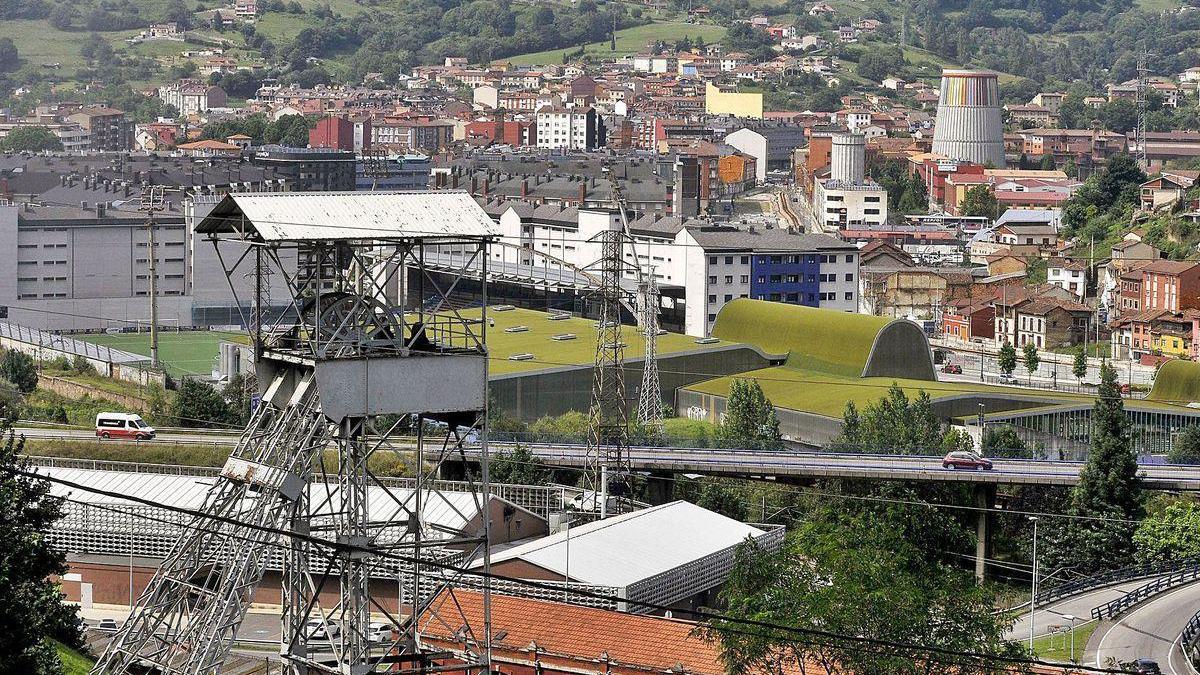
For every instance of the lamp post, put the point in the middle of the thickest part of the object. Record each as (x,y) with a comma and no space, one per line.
(1071,618)
(1033,586)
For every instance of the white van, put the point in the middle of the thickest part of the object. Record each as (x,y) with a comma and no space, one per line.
(123,425)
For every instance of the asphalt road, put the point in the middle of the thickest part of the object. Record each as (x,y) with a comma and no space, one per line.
(1080,606)
(1150,630)
(180,437)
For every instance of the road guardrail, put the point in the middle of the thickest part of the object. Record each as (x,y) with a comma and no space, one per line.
(1189,640)
(1144,592)
(1142,571)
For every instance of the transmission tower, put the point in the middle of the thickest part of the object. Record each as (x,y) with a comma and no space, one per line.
(1143,71)
(650,413)
(376,166)
(152,201)
(608,416)
(341,369)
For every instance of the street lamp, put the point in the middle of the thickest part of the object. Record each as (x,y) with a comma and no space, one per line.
(1033,586)
(1071,618)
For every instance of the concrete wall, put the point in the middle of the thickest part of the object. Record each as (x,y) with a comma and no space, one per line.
(717,102)
(74,390)
(796,426)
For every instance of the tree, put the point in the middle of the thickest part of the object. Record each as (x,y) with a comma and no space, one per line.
(894,424)
(1170,534)
(851,574)
(18,367)
(9,59)
(1007,359)
(1080,365)
(750,417)
(1109,492)
(716,495)
(199,405)
(32,612)
(980,201)
(238,393)
(1001,440)
(1186,448)
(519,466)
(30,139)
(1031,359)
(63,15)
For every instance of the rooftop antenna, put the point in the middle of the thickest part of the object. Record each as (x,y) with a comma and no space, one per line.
(376,165)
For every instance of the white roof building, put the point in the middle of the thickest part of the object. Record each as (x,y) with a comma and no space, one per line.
(661,555)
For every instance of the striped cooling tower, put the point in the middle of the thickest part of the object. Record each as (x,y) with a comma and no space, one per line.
(969,127)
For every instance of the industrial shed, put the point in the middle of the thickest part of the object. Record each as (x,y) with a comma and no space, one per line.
(674,554)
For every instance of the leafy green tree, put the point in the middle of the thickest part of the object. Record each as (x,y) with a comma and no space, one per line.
(238,393)
(1007,359)
(1080,365)
(717,495)
(30,139)
(519,467)
(19,368)
(851,575)
(750,417)
(9,59)
(32,612)
(1109,492)
(1031,359)
(1001,440)
(1170,534)
(199,405)
(1186,448)
(980,201)
(894,424)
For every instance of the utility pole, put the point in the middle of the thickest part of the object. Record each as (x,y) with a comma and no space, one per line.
(151,203)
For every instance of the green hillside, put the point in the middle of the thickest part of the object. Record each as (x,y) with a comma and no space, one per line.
(629,40)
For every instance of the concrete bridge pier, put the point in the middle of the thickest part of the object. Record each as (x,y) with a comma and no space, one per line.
(659,487)
(985,500)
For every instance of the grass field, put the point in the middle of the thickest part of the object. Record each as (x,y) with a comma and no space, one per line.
(182,353)
(550,353)
(73,662)
(629,40)
(1057,647)
(1177,382)
(38,42)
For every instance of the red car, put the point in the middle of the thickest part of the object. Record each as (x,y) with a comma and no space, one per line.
(966,460)
(952,368)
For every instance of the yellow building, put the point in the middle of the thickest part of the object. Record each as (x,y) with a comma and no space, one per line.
(720,102)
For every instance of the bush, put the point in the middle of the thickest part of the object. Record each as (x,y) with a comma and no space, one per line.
(81,366)
(198,405)
(19,368)
(1186,448)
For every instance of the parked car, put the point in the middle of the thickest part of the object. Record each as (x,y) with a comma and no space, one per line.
(1125,389)
(380,632)
(107,624)
(952,368)
(1007,379)
(123,425)
(1146,667)
(961,459)
(316,629)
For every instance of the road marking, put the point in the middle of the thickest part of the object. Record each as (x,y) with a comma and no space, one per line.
(1164,596)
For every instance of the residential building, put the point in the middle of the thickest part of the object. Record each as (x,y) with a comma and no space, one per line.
(192,97)
(1167,188)
(1154,333)
(561,128)
(412,135)
(107,128)
(969,319)
(840,204)
(1045,315)
(308,169)
(722,101)
(336,133)
(1068,274)
(1173,285)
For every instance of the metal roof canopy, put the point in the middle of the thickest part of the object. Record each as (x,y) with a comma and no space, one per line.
(275,217)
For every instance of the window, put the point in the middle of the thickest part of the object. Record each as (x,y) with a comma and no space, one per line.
(811,278)
(712,260)
(728,260)
(776,259)
(812,297)
(712,298)
(745,260)
(745,278)
(775,297)
(849,276)
(762,280)
(871,212)
(849,296)
(712,317)
(728,297)
(873,200)
(712,280)
(776,278)
(729,278)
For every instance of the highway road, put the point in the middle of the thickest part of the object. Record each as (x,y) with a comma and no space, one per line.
(1150,630)
(782,463)
(1080,606)
(793,463)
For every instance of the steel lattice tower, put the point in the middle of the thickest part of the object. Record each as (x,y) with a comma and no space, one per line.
(342,369)
(1143,70)
(608,416)
(650,413)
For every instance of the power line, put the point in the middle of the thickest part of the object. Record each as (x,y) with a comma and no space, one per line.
(341,547)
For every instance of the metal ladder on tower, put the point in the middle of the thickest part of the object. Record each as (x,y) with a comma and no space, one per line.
(190,612)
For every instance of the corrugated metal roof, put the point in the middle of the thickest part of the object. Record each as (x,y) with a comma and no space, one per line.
(450,510)
(625,549)
(292,216)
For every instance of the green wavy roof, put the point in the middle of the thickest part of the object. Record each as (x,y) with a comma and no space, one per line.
(1177,382)
(823,340)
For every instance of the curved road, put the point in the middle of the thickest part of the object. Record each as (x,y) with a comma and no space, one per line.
(1080,606)
(1151,630)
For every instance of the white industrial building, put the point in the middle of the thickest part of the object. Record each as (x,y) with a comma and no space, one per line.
(561,128)
(675,554)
